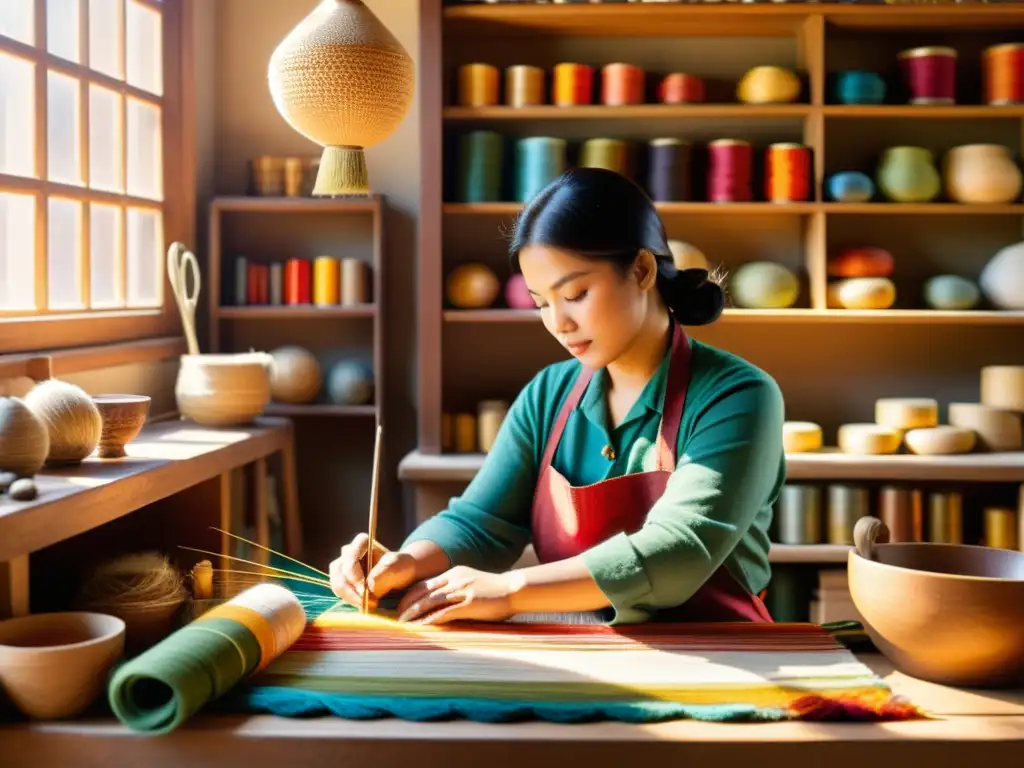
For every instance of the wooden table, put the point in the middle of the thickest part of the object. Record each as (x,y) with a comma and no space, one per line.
(168,458)
(974,729)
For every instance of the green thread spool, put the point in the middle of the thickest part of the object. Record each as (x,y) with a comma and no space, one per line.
(539,161)
(799,514)
(480,161)
(611,154)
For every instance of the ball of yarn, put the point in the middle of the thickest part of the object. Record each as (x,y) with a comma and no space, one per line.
(24,440)
(350,382)
(472,286)
(1002,279)
(951,292)
(851,187)
(517,296)
(71,418)
(764,285)
(295,375)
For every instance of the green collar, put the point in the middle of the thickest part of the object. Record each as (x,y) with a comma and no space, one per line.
(594,403)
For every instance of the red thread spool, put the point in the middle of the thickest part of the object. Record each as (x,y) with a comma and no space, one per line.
(930,74)
(1003,71)
(787,177)
(730,168)
(573,85)
(297,282)
(681,88)
(622,84)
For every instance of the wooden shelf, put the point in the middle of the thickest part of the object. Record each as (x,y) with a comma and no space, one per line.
(319,409)
(922,209)
(257,204)
(635,112)
(831,465)
(777,209)
(294,312)
(924,112)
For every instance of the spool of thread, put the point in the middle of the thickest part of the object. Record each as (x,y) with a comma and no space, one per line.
(297,281)
(354,288)
(897,511)
(787,176)
(294,176)
(478,85)
(464,433)
(668,170)
(573,85)
(730,170)
(945,518)
(539,161)
(930,74)
(799,514)
(490,415)
(1001,528)
(1003,74)
(681,88)
(612,154)
(276,284)
(326,281)
(524,86)
(206,658)
(480,159)
(241,281)
(622,84)
(846,505)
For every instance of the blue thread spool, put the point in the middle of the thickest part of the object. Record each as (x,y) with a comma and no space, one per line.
(539,161)
(480,161)
(851,187)
(860,87)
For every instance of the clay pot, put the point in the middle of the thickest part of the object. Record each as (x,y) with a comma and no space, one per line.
(123,418)
(908,175)
(55,665)
(223,390)
(948,613)
(981,173)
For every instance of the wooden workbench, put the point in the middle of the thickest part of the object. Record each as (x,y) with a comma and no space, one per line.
(971,728)
(174,458)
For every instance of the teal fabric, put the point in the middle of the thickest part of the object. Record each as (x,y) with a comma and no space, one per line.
(716,510)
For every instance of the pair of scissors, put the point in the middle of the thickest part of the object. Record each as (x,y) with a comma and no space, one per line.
(180,264)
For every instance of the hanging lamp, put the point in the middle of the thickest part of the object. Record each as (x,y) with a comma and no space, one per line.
(342,80)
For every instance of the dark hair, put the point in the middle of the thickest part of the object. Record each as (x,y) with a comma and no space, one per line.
(600,214)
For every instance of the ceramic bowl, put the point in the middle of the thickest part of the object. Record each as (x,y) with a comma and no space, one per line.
(55,665)
(123,419)
(947,613)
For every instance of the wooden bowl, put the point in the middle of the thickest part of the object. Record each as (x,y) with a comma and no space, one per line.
(123,419)
(947,613)
(55,665)
(223,390)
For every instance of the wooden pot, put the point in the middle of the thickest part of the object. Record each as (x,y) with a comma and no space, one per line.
(223,390)
(948,613)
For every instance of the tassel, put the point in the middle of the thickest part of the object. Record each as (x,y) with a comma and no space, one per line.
(342,172)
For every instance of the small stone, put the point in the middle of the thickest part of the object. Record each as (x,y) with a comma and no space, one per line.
(6,478)
(23,489)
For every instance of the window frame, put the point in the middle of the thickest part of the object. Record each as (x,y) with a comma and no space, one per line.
(34,333)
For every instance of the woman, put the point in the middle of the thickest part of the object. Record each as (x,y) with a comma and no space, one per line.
(635,506)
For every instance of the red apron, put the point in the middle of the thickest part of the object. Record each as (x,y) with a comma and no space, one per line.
(569,520)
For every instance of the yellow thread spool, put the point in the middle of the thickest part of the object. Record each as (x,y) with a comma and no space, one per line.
(478,85)
(945,518)
(465,433)
(1001,527)
(524,86)
(326,281)
(612,154)
(490,415)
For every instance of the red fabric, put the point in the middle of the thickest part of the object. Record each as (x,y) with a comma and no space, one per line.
(568,520)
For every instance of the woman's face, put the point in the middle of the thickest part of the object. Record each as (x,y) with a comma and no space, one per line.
(591,308)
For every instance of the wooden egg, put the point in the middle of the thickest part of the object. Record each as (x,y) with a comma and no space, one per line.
(295,375)
(940,440)
(687,256)
(71,418)
(862,293)
(861,262)
(472,286)
(764,285)
(517,296)
(951,292)
(350,382)
(24,440)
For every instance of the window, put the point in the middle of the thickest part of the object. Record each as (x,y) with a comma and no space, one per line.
(91,169)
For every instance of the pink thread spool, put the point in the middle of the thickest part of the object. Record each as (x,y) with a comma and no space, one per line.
(730,170)
(930,74)
(622,84)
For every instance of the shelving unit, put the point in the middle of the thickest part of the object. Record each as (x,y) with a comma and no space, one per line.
(831,363)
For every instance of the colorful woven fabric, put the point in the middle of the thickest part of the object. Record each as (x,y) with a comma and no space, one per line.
(361,667)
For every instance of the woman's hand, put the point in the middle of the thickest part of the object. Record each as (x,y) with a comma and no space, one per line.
(460,593)
(391,571)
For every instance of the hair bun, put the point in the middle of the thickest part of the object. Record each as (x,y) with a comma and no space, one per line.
(692,296)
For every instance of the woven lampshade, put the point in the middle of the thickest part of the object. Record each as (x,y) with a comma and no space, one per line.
(341,79)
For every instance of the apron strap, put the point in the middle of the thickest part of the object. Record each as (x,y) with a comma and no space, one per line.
(571,401)
(676,385)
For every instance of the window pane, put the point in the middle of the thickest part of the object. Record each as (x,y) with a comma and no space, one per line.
(145,235)
(144,52)
(106,38)
(105,139)
(145,158)
(104,255)
(17,116)
(17,251)
(62,29)
(17,20)
(64,249)
(62,116)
